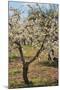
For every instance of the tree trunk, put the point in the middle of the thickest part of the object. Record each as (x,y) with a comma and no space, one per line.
(25,72)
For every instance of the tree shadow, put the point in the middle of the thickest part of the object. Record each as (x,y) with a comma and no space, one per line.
(52,64)
(17,58)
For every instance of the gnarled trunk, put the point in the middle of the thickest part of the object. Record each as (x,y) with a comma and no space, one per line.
(25,64)
(25,72)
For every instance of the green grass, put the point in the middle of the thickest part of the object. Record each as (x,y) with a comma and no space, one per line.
(14,71)
(35,82)
(28,51)
(44,82)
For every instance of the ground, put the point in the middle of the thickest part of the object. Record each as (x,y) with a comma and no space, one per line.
(41,72)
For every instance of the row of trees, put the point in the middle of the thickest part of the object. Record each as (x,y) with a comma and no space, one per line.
(40,29)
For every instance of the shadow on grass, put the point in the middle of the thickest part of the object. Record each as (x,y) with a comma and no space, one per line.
(52,64)
(14,58)
(45,63)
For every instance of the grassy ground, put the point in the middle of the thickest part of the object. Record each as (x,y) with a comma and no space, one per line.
(40,72)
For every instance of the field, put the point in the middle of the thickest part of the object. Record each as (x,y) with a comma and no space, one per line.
(41,72)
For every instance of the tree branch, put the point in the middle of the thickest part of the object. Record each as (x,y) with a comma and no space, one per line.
(38,52)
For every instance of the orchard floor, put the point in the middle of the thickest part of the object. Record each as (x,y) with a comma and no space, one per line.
(41,73)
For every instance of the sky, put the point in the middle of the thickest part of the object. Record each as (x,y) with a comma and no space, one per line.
(22,6)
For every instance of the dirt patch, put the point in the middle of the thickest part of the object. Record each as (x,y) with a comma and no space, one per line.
(40,74)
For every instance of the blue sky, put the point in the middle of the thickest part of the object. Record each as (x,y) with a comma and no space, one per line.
(22,6)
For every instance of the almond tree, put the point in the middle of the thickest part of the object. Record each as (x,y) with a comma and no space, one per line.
(40,29)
